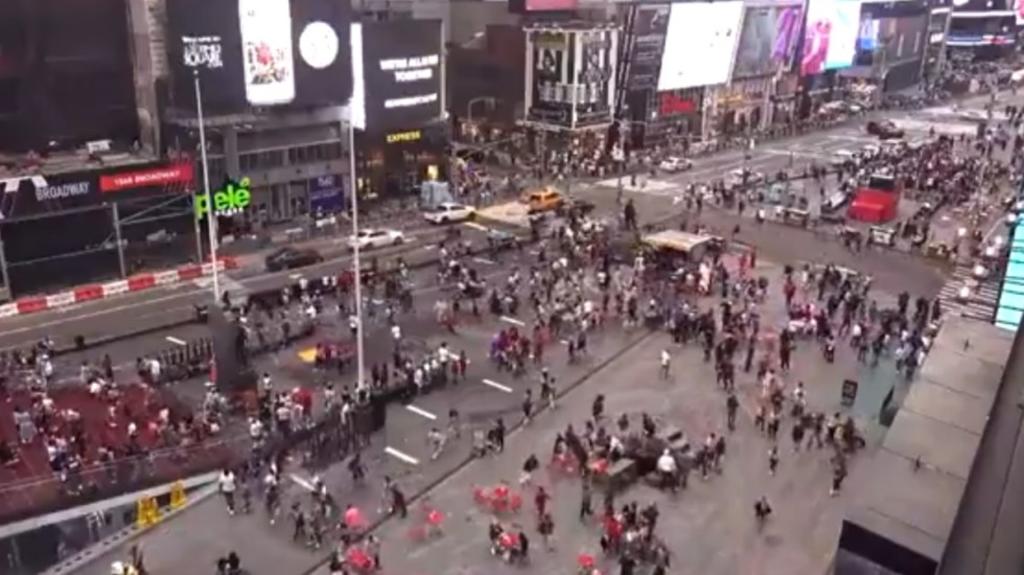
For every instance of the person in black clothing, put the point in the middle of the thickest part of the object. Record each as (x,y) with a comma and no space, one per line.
(627,565)
(586,505)
(398,502)
(731,406)
(497,435)
(524,546)
(762,509)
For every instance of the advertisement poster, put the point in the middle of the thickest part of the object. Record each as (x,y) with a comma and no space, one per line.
(552,98)
(867,37)
(1018,11)
(259,53)
(402,73)
(649,28)
(830,40)
(768,40)
(699,44)
(267,51)
(326,195)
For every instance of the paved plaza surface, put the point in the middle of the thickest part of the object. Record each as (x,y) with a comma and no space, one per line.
(709,527)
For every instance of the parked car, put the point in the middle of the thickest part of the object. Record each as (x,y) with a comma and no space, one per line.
(673,164)
(291,258)
(449,212)
(884,130)
(376,238)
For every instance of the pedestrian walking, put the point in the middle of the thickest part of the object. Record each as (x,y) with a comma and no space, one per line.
(529,466)
(762,509)
(666,362)
(586,500)
(773,460)
(732,404)
(838,475)
(546,527)
(227,484)
(527,407)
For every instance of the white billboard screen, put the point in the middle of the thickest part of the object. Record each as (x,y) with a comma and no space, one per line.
(830,37)
(699,44)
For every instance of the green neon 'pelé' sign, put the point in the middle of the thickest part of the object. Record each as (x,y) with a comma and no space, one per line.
(232,199)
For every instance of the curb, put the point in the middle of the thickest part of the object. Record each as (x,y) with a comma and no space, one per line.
(93,292)
(512,429)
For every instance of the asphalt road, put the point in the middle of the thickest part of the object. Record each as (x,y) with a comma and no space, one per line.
(161,306)
(156,307)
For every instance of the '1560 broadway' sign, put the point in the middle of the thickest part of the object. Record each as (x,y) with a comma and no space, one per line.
(231,200)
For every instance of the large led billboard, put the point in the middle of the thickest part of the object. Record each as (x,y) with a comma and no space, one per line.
(260,53)
(699,44)
(402,73)
(1011,296)
(768,40)
(830,39)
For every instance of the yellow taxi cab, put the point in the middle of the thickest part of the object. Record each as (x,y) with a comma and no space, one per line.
(543,200)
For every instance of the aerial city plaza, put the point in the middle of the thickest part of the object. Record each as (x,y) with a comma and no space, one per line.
(537,287)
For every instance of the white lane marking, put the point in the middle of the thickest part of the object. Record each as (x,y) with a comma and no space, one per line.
(512,320)
(401,456)
(175,340)
(421,411)
(498,386)
(485,261)
(303,483)
(476,226)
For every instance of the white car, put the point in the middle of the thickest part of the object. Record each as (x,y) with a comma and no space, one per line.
(376,238)
(736,177)
(843,157)
(675,164)
(449,212)
(870,151)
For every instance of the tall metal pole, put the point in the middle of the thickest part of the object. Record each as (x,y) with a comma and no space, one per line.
(117,237)
(4,278)
(356,270)
(211,216)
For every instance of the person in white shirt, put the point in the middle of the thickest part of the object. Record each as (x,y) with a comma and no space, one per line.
(666,362)
(154,370)
(226,481)
(667,468)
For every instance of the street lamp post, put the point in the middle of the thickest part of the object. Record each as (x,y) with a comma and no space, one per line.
(211,216)
(356,270)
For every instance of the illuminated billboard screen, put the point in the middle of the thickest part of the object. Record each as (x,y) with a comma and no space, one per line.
(260,53)
(768,40)
(699,44)
(830,38)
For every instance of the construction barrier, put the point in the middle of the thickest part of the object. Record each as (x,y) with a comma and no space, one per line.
(147,513)
(178,498)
